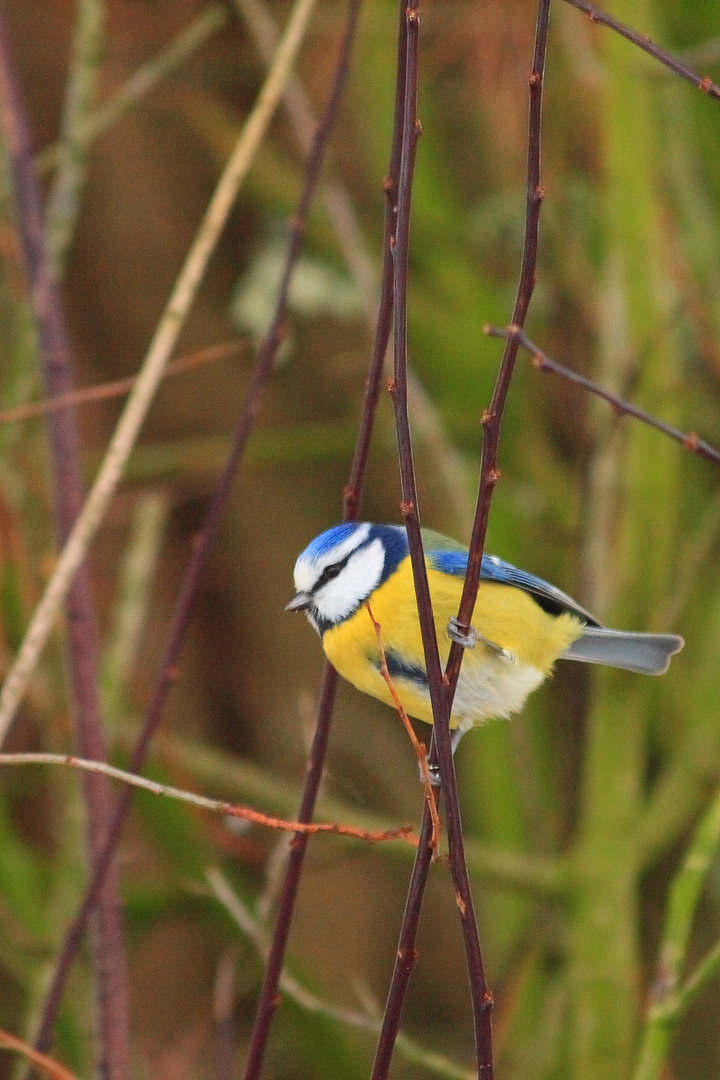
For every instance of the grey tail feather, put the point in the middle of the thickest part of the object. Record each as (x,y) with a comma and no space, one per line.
(648,654)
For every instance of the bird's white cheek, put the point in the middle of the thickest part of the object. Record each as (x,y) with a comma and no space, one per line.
(345,593)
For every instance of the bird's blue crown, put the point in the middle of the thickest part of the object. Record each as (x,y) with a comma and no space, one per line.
(392,537)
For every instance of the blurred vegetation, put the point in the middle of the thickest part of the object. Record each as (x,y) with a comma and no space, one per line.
(579,813)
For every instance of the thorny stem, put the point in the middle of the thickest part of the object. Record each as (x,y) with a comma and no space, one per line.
(492,420)
(188,591)
(689,440)
(56,363)
(440,699)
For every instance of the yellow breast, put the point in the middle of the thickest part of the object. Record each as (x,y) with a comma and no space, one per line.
(489,685)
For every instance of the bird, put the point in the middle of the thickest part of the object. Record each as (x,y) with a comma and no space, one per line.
(521,624)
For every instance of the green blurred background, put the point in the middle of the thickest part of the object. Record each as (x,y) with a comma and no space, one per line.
(579,811)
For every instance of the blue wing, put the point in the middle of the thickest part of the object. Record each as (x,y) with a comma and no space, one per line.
(452,559)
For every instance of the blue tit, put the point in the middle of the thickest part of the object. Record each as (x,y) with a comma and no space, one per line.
(521,625)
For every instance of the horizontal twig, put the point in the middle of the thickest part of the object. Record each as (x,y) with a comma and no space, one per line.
(87,394)
(215,806)
(690,440)
(534,875)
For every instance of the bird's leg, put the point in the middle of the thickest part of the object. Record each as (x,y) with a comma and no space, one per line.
(455,737)
(470,639)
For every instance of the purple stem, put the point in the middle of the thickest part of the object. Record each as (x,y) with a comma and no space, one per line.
(690,440)
(597,15)
(352,496)
(440,698)
(56,363)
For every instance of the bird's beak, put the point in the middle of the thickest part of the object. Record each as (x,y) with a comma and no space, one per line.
(299,602)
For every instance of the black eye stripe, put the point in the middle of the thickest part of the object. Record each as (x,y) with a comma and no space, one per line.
(331,572)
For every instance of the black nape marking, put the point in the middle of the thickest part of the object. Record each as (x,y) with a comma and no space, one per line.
(400,669)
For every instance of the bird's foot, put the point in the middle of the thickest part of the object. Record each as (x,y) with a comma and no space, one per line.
(433,774)
(470,639)
(456,633)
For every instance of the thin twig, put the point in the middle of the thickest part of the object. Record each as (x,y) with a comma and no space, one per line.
(55,359)
(597,15)
(689,440)
(544,876)
(215,806)
(482,999)
(190,584)
(303,997)
(419,748)
(152,370)
(406,953)
(104,391)
(42,1061)
(441,702)
(493,416)
(268,1001)
(141,82)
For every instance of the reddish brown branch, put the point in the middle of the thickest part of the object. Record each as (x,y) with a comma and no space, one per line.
(269,998)
(690,440)
(53,1068)
(492,419)
(597,15)
(418,747)
(304,828)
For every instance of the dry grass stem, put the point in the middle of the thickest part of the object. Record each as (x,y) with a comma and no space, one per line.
(153,368)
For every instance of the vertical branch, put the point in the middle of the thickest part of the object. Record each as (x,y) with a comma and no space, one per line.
(441,700)
(188,591)
(428,425)
(316,759)
(492,418)
(56,363)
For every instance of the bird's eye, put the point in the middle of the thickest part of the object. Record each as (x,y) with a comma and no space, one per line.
(328,574)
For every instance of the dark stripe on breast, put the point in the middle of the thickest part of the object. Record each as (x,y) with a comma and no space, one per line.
(400,669)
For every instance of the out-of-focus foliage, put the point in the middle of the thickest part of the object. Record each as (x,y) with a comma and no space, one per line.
(586,801)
